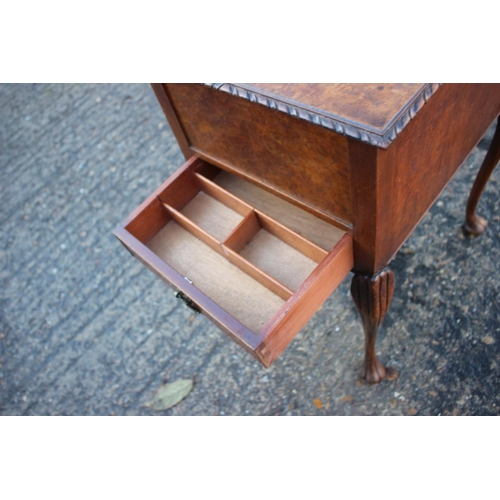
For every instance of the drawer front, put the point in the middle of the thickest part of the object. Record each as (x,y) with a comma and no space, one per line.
(258,267)
(302,162)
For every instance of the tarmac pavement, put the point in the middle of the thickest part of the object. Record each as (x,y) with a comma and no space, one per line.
(85,329)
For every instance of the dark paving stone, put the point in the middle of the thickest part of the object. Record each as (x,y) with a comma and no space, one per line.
(86,330)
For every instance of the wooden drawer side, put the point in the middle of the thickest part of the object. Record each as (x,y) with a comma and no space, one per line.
(293,316)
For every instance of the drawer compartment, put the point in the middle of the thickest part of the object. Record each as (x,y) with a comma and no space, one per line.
(256,265)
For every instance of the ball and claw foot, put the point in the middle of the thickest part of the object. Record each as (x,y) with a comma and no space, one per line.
(375,372)
(475,225)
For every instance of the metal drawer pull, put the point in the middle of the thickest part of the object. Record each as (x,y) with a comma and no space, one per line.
(188,302)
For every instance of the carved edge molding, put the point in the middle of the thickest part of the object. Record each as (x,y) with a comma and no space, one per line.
(381,141)
(372,295)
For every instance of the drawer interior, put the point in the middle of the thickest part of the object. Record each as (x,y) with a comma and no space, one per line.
(233,242)
(243,297)
(275,251)
(304,223)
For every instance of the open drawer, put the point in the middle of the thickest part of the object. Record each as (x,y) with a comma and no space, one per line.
(256,265)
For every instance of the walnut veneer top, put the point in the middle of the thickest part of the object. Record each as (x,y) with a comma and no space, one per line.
(371,112)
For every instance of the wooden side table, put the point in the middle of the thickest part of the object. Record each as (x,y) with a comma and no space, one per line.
(289,187)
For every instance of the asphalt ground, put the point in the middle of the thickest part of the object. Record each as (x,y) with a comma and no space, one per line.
(85,329)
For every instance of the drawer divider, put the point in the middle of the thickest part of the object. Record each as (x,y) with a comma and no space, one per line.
(254,275)
(247,234)
(290,237)
(258,274)
(225,197)
(193,228)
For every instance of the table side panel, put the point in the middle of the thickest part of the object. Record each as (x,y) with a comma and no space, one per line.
(304,163)
(413,171)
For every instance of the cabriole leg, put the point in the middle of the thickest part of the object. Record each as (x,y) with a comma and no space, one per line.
(474,224)
(372,295)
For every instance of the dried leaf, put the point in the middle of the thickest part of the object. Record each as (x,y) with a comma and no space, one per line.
(347,399)
(317,402)
(412,411)
(170,394)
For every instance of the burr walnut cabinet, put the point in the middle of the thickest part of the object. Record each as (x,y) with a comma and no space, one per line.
(287,188)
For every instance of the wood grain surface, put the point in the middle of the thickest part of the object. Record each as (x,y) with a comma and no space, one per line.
(394,188)
(368,112)
(291,238)
(372,106)
(193,228)
(249,302)
(278,259)
(258,273)
(243,336)
(213,216)
(305,302)
(166,106)
(304,223)
(300,162)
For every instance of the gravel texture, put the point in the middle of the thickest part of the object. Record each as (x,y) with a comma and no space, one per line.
(85,329)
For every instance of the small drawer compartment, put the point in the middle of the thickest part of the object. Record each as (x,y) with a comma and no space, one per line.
(196,199)
(275,255)
(253,275)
